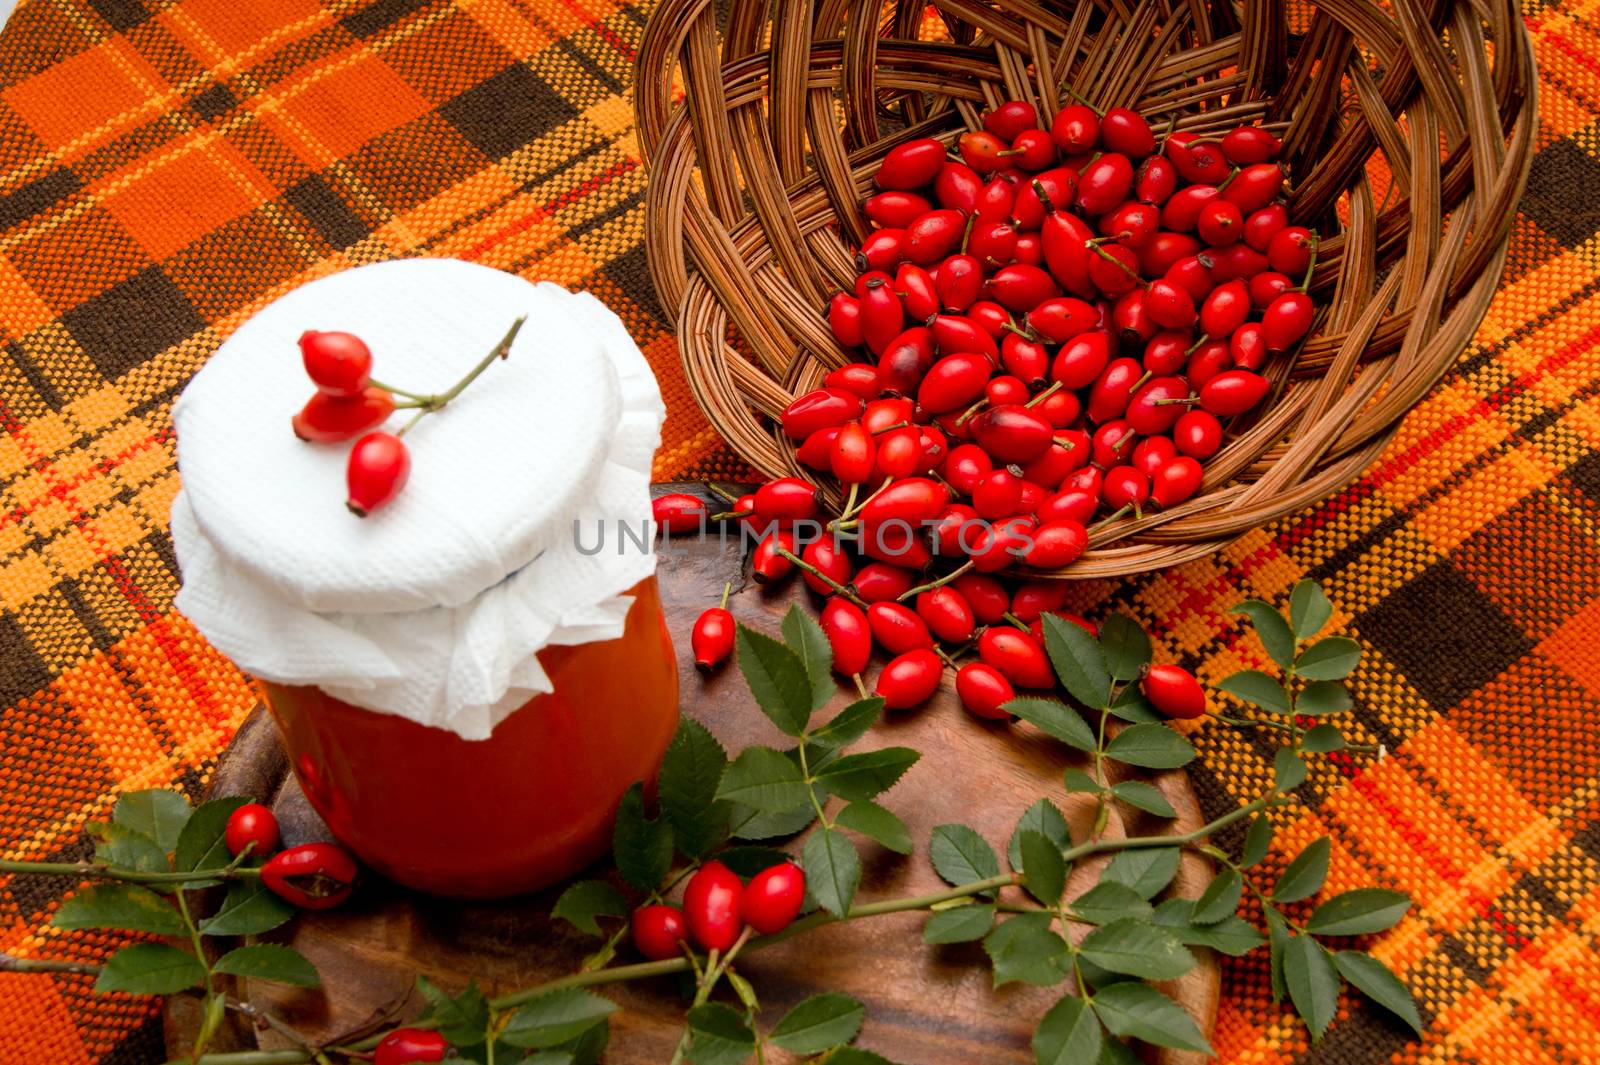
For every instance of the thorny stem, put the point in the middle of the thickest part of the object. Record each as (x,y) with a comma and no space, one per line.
(98,871)
(1055,387)
(722,493)
(1239,722)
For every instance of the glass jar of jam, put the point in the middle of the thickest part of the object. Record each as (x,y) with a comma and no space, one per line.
(468,680)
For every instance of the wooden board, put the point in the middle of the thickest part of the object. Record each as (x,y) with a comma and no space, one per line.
(925,1005)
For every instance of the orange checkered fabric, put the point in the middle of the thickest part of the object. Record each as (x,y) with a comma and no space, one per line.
(168,166)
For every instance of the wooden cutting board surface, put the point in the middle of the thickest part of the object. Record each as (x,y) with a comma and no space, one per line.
(925,1005)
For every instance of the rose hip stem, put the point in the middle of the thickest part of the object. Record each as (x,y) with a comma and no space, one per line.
(940,583)
(823,577)
(428,404)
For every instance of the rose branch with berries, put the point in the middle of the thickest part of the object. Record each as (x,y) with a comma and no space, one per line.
(693,893)
(349,404)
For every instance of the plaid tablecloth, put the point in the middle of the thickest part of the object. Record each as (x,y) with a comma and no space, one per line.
(166,168)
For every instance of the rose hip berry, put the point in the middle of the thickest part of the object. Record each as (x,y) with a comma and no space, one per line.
(712,635)
(909,680)
(711,906)
(983,690)
(405,1046)
(377,470)
(339,364)
(313,876)
(658,931)
(772,899)
(251,825)
(1174,691)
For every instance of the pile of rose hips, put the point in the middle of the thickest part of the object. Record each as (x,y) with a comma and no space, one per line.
(313,876)
(349,402)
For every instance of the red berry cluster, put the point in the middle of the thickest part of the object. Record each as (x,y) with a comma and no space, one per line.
(346,405)
(1060,322)
(313,876)
(717,906)
(349,403)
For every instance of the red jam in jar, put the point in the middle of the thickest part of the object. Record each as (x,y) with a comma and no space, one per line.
(528,806)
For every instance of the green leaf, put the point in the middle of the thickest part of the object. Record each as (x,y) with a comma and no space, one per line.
(641,847)
(1043,866)
(855,1056)
(863,776)
(1042,817)
(1288,770)
(1304,876)
(248,909)
(1220,898)
(1125,645)
(555,1018)
(1131,706)
(1313,982)
(1359,912)
(1138,1011)
(1309,609)
(581,903)
(1069,1034)
(849,724)
(1054,718)
(1078,661)
(462,1019)
(1257,689)
(150,969)
(718,1035)
(584,1050)
(748,823)
(1330,659)
(1076,780)
(269,961)
(806,639)
(1108,902)
(1231,935)
(1023,948)
(548,1057)
(1322,739)
(1323,697)
(1137,948)
(157,814)
(1271,628)
(748,861)
(122,847)
(1278,945)
(1143,796)
(877,824)
(1373,979)
(1146,870)
(120,906)
(764,779)
(1257,841)
(961,856)
(777,678)
(833,870)
(1150,746)
(961,924)
(690,770)
(1116,1052)
(820,1022)
(200,845)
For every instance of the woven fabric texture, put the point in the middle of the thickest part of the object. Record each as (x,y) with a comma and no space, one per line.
(168,167)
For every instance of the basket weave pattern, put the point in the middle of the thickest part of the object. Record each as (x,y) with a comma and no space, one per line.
(1408,131)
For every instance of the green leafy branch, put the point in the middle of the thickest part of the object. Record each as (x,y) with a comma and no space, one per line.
(1013,901)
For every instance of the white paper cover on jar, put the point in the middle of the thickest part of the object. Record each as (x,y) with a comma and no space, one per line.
(433,607)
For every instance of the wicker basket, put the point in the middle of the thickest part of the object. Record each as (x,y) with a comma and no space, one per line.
(758,170)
